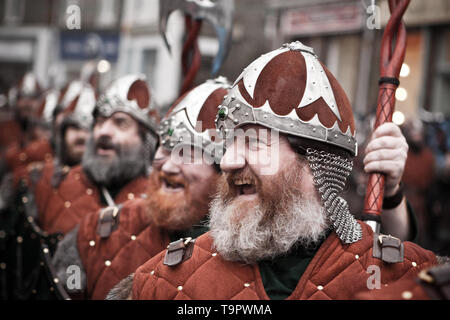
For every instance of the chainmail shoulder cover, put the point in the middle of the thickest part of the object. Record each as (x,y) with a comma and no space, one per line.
(330,173)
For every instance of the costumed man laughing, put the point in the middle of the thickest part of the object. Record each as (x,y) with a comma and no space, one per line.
(278,226)
(110,244)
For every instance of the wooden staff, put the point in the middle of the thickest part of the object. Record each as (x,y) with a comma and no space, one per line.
(390,65)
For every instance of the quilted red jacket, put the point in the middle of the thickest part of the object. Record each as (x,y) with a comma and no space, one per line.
(405,289)
(109,260)
(36,151)
(337,271)
(76,197)
(10,132)
(43,188)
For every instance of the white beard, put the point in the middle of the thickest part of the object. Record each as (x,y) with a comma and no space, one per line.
(249,239)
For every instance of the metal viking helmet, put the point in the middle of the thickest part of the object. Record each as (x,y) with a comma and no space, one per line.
(69,93)
(190,121)
(78,113)
(80,109)
(130,94)
(291,91)
(29,86)
(48,104)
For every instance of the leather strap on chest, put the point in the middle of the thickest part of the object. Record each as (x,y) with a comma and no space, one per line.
(388,248)
(59,174)
(108,221)
(179,251)
(35,173)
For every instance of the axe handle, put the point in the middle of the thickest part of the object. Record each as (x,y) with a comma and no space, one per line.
(373,202)
(191,56)
(390,64)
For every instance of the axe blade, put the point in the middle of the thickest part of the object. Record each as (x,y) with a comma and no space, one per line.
(218,12)
(166,7)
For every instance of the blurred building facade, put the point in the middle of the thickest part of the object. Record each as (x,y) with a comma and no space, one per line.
(56,38)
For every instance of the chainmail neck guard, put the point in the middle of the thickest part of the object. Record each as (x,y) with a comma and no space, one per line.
(330,173)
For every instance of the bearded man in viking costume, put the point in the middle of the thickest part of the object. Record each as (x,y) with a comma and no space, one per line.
(70,138)
(110,244)
(279,228)
(116,162)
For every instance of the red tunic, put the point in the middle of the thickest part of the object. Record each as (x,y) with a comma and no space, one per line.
(43,189)
(406,289)
(10,132)
(109,260)
(337,271)
(36,151)
(76,197)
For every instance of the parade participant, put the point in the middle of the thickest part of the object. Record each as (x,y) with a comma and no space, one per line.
(115,163)
(24,99)
(110,244)
(70,138)
(419,175)
(10,130)
(31,150)
(31,145)
(278,227)
(38,182)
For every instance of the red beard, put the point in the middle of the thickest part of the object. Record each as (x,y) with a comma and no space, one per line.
(177,210)
(268,191)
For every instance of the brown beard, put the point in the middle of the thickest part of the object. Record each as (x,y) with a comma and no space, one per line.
(177,211)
